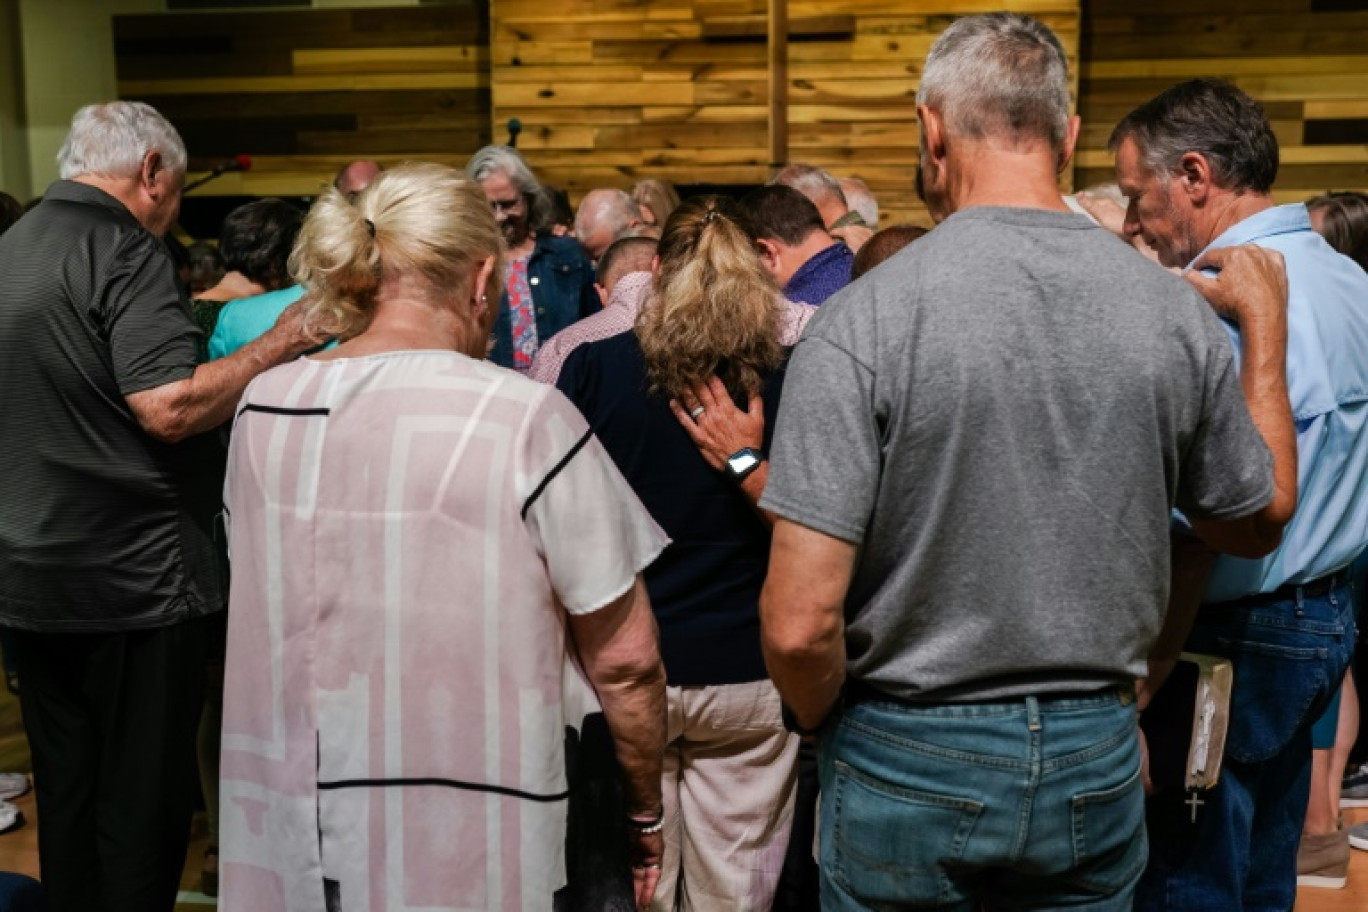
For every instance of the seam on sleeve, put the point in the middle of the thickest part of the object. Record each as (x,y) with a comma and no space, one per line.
(155,379)
(555,470)
(840,348)
(821,522)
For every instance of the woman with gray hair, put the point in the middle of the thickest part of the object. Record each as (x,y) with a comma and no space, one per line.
(548,281)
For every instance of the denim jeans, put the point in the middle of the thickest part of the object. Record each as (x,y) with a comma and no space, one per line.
(1241,854)
(1033,803)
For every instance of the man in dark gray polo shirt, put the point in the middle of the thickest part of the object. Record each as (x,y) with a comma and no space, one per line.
(975,461)
(106,562)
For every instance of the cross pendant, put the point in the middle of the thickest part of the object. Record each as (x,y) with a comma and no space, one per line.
(1194,802)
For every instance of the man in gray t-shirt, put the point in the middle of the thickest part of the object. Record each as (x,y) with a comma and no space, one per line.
(976,457)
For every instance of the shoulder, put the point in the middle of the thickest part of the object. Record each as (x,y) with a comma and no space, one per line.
(260,307)
(561,249)
(611,354)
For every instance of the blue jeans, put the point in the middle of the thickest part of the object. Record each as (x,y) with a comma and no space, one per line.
(1241,854)
(1034,803)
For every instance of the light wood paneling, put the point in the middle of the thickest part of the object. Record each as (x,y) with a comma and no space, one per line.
(611,91)
(1305,60)
(306,91)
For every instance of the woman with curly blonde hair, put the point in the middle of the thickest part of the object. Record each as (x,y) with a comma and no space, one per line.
(413,564)
(713,331)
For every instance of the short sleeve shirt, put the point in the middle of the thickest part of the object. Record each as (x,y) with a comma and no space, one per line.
(408,532)
(101,526)
(1002,416)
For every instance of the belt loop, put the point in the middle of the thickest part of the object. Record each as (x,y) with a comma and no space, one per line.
(1301,600)
(1032,714)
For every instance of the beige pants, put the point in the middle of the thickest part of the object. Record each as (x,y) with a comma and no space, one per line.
(729,778)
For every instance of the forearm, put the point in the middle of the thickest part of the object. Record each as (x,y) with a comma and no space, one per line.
(619,646)
(635,712)
(753,486)
(802,618)
(206,398)
(809,679)
(1263,377)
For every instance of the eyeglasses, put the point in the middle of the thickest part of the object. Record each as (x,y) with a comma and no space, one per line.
(508,205)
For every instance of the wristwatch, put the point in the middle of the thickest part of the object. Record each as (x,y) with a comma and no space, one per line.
(743,462)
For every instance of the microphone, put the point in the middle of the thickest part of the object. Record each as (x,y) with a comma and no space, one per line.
(236,163)
(514,128)
(218,169)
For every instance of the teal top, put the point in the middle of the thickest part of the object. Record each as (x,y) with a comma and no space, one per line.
(243,320)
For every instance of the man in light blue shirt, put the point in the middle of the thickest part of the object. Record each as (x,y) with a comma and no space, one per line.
(1197,164)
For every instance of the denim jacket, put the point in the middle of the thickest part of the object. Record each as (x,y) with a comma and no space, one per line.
(562,282)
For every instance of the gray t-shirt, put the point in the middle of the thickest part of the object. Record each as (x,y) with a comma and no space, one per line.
(1002,417)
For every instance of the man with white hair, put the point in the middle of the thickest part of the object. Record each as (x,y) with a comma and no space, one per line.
(826,194)
(861,200)
(976,458)
(107,565)
(605,216)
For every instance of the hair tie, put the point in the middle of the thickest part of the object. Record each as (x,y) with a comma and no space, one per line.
(370,226)
(709,216)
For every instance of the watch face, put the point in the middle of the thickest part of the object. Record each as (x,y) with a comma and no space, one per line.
(742,462)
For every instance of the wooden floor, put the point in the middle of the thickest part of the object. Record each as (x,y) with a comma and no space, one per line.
(19,849)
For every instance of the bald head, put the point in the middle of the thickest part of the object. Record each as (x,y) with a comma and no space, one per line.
(603,217)
(356,176)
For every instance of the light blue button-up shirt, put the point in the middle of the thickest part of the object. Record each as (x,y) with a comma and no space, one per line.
(1327,379)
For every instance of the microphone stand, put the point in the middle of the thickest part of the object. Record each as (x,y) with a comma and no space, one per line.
(212,175)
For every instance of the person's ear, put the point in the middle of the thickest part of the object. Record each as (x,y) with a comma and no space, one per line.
(1194,177)
(1070,142)
(478,298)
(770,253)
(152,176)
(933,132)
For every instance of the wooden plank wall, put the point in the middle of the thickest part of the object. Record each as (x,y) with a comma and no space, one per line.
(1305,60)
(611,91)
(303,92)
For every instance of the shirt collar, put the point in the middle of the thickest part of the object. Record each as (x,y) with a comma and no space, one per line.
(630,291)
(1274,220)
(76,192)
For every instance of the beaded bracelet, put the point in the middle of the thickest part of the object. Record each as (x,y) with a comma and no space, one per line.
(647,827)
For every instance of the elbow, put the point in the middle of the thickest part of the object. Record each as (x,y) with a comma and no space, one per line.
(788,641)
(641,671)
(167,429)
(1261,542)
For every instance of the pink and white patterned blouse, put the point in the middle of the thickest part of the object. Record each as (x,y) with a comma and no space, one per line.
(408,532)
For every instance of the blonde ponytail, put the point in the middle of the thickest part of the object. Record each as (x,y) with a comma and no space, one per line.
(714,308)
(424,219)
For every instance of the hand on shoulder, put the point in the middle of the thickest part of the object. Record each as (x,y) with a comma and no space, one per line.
(1251,282)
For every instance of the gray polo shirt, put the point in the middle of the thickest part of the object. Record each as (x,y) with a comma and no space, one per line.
(102,528)
(1002,417)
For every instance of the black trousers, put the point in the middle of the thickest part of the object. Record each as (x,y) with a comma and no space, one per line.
(111,721)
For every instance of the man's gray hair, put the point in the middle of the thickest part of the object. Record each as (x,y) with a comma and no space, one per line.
(113,139)
(862,200)
(1000,74)
(505,159)
(814,183)
(612,208)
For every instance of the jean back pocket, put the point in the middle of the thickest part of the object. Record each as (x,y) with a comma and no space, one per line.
(894,845)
